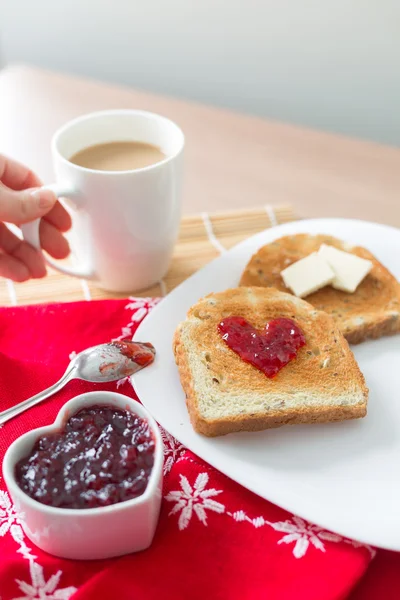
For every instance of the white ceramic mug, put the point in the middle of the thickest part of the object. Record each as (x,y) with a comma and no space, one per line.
(125,222)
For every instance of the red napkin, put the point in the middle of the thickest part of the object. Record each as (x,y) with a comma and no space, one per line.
(215,539)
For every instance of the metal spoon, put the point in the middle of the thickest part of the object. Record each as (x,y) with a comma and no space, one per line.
(99,364)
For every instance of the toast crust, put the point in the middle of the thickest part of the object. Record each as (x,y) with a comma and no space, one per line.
(325,345)
(371,312)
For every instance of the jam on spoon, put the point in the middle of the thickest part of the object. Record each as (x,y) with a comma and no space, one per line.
(269,350)
(102,456)
(105,362)
(130,357)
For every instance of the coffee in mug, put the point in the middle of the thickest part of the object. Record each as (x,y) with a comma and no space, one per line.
(118,156)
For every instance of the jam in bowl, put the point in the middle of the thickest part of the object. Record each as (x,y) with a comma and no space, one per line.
(89,485)
(103,455)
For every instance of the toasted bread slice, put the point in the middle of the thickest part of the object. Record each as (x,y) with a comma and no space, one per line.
(225,394)
(372,311)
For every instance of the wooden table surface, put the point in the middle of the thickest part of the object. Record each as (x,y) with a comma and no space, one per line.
(232,160)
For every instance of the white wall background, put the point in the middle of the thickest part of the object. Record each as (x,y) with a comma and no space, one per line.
(331,64)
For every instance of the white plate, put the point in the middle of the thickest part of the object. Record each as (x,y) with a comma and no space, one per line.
(342,476)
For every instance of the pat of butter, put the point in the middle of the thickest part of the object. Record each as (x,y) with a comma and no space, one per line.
(308,275)
(349,269)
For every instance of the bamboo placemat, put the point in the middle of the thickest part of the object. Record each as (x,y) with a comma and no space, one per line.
(201,238)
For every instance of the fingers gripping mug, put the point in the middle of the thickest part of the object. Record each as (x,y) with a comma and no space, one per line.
(125,221)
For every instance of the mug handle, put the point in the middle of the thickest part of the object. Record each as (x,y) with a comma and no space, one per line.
(30,233)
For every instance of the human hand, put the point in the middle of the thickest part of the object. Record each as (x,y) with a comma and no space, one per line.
(20,203)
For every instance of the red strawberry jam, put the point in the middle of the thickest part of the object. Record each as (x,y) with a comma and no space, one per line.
(102,456)
(269,350)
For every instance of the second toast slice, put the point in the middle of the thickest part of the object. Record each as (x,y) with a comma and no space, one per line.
(372,311)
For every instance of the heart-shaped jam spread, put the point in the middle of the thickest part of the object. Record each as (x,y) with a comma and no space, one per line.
(269,350)
(102,456)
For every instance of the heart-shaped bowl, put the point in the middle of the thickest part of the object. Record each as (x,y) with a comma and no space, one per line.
(90,533)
